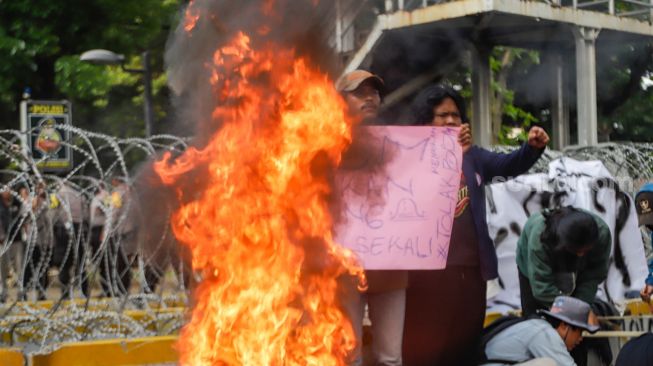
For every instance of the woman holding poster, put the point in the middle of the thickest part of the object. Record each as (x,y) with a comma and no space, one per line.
(445,309)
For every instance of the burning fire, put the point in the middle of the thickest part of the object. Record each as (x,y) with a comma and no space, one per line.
(260,233)
(192,16)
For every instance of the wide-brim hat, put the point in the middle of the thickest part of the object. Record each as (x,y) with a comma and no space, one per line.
(353,79)
(644,204)
(572,311)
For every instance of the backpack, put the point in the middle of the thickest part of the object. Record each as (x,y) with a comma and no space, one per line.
(492,330)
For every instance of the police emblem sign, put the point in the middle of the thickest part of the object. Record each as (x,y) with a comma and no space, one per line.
(46,137)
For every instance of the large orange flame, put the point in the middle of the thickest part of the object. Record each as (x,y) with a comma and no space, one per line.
(191,18)
(260,233)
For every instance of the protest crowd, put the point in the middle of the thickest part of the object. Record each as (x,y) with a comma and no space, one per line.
(90,237)
(563,263)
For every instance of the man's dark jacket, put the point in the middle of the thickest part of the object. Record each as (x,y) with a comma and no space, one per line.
(480,167)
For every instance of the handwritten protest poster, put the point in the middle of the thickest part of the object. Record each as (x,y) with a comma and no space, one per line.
(402,216)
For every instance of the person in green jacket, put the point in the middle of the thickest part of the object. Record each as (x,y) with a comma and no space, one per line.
(565,251)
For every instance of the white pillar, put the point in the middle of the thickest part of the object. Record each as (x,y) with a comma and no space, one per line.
(481,114)
(339,47)
(586,85)
(389,7)
(559,104)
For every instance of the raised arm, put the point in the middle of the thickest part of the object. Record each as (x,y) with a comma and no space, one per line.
(516,162)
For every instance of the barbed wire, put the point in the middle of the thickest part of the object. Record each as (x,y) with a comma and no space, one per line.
(73,266)
(630,163)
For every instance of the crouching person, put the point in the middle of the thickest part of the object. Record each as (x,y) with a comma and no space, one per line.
(565,251)
(542,341)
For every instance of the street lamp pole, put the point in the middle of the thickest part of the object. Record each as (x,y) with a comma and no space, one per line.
(105,57)
(147,91)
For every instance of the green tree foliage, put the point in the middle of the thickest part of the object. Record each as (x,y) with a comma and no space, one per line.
(40,44)
(633,120)
(624,105)
(509,121)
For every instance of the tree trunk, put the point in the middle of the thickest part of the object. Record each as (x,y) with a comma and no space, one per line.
(501,80)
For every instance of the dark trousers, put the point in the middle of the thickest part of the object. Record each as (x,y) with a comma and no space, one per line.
(111,263)
(529,304)
(445,310)
(70,257)
(156,263)
(36,270)
(117,268)
(98,258)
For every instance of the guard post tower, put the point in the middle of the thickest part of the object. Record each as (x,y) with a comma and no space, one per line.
(566,32)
